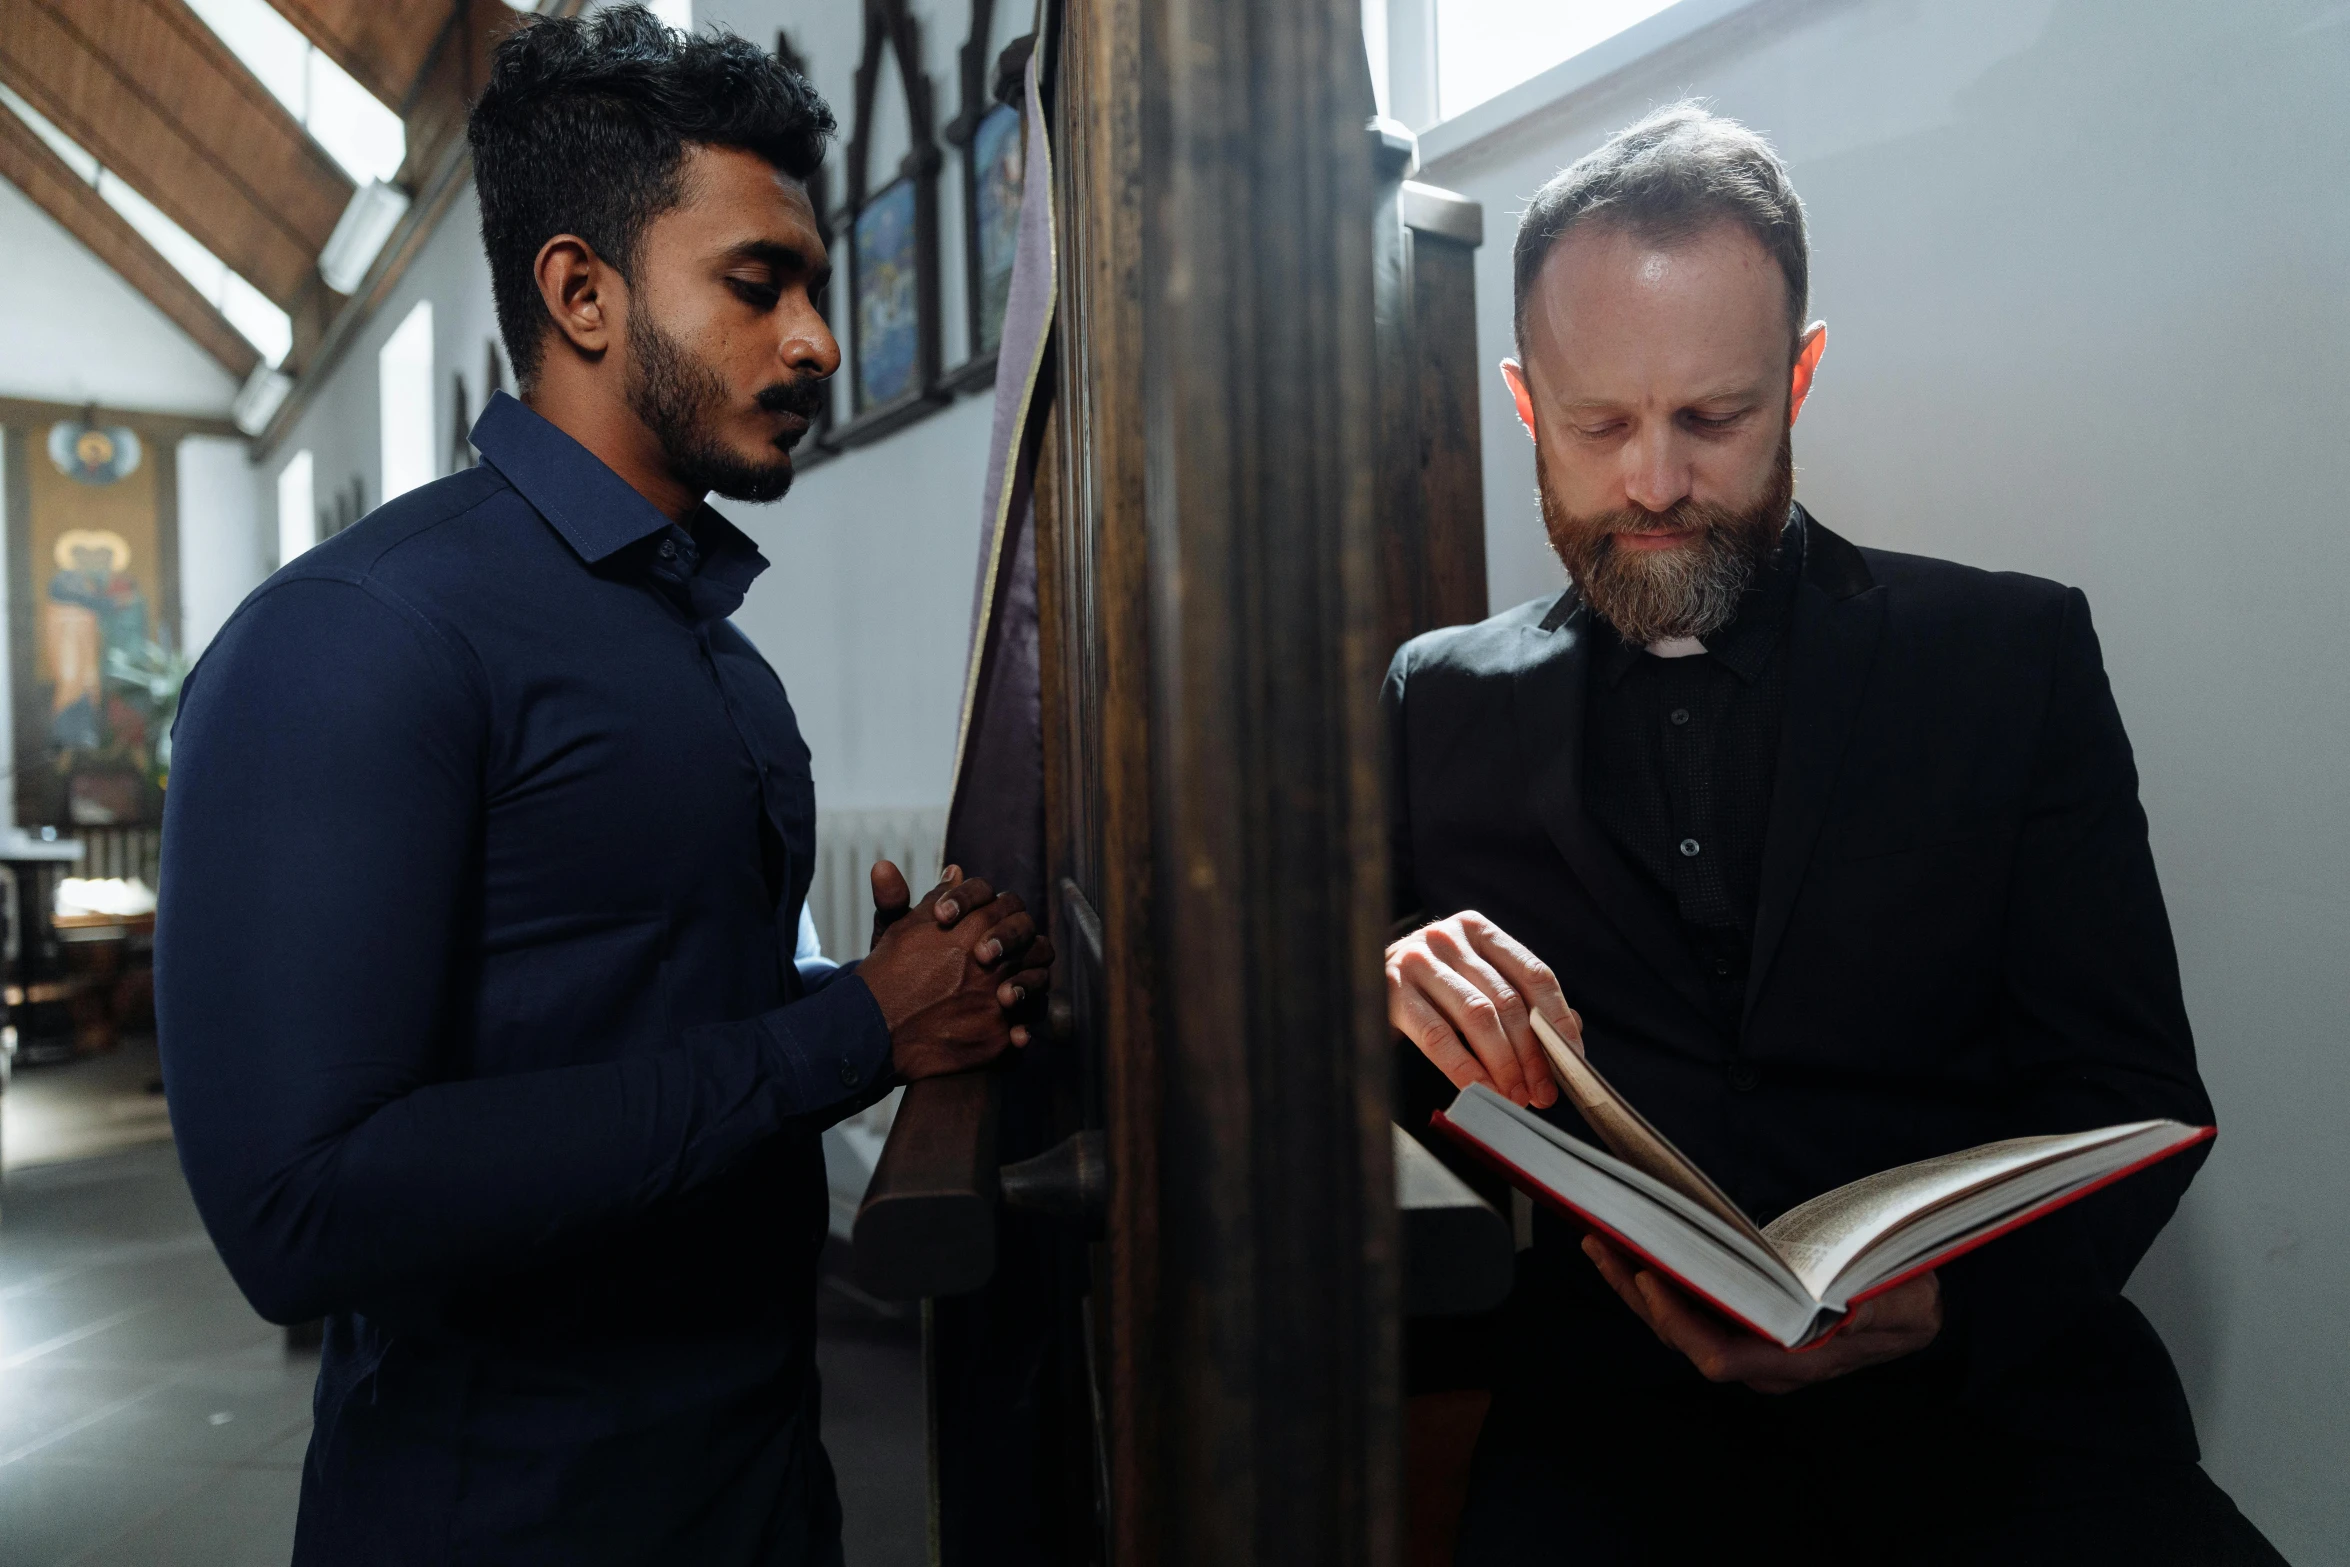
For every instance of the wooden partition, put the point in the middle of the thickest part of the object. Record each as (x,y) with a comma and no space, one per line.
(1212,554)
(1257,475)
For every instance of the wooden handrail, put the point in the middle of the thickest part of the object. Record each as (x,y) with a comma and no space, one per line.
(927,1224)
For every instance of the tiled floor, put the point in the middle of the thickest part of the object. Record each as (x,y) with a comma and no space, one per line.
(148,1417)
(146,1414)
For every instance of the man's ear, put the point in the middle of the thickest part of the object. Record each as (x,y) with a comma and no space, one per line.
(1808,349)
(1520,393)
(580,292)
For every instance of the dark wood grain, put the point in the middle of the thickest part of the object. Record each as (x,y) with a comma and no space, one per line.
(1432,530)
(1275,1367)
(927,1224)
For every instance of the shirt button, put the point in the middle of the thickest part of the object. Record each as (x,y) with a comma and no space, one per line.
(848,1075)
(1679,715)
(1721,968)
(669,549)
(1689,848)
(1744,1078)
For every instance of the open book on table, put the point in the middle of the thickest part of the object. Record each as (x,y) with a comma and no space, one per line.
(1794,1279)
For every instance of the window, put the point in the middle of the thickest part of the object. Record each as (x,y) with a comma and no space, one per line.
(359,133)
(269,329)
(297,507)
(404,392)
(1486,47)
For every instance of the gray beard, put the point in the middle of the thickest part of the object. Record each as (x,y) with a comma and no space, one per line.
(1658,596)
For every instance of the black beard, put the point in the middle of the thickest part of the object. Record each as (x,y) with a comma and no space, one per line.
(1689,592)
(679,397)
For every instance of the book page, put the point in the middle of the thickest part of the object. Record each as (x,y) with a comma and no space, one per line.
(1627,1134)
(1821,1237)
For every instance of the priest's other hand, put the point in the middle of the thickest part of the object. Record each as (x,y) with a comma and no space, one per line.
(955,984)
(1459,989)
(1899,1322)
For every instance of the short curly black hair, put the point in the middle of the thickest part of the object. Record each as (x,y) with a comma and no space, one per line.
(583,130)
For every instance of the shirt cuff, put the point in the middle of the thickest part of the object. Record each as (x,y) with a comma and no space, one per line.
(829,1046)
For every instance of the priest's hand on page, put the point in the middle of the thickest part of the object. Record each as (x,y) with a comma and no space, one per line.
(1459,989)
(1899,1322)
(957,985)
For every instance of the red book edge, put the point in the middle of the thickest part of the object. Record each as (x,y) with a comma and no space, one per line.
(1534,1188)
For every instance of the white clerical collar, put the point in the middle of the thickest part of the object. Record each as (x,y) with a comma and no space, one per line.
(1676,647)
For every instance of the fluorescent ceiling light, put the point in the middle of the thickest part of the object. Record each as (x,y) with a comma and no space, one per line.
(262,395)
(375,210)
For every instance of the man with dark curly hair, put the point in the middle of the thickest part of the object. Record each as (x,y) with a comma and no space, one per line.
(485,1025)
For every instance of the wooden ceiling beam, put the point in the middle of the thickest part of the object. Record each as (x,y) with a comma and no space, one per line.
(147,88)
(451,75)
(34,169)
(384,44)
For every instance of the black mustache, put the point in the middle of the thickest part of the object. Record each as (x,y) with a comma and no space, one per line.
(805,396)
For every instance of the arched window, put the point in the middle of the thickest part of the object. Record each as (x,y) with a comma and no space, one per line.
(988,131)
(890,222)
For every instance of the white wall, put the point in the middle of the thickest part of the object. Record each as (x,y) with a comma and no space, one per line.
(226,527)
(341,426)
(72,331)
(2083,265)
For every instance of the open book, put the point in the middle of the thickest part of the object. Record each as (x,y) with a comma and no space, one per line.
(1793,1279)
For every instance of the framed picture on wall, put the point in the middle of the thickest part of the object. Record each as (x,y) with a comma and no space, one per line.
(93,584)
(886,271)
(996,178)
(991,133)
(891,221)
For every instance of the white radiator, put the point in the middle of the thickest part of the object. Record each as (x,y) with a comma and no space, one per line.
(847,844)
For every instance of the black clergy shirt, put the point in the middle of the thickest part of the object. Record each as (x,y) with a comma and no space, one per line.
(486,845)
(1677,765)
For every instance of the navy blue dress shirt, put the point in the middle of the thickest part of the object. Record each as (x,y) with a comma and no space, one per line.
(487,841)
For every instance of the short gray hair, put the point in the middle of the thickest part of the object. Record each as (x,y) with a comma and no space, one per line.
(1680,170)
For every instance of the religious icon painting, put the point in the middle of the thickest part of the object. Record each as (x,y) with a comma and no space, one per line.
(996,183)
(93,455)
(888,304)
(93,665)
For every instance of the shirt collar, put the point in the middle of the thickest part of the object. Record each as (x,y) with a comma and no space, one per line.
(1744,645)
(600,514)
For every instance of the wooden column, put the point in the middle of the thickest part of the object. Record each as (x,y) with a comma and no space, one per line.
(1278,1300)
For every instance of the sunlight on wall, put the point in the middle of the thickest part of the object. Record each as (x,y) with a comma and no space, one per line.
(404,385)
(1486,47)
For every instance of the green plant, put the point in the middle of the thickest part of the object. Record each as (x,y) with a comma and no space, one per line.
(149,680)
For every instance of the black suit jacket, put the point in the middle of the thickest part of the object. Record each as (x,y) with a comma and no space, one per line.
(1959,938)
